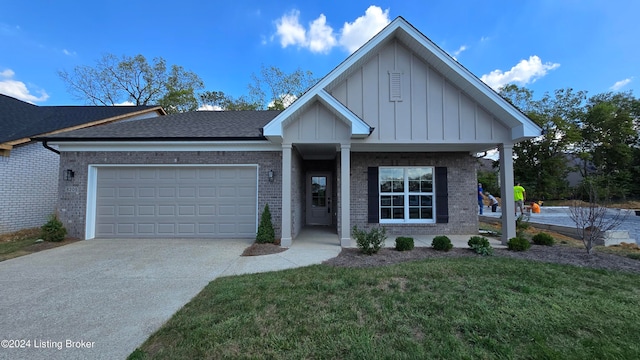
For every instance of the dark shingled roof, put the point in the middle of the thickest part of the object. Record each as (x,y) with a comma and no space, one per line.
(19,120)
(195,125)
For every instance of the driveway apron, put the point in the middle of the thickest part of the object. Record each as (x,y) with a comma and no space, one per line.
(100,299)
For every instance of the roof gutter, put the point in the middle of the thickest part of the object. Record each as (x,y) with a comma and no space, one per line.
(46,146)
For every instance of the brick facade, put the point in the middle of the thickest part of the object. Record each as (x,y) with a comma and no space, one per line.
(461,180)
(28,187)
(73,194)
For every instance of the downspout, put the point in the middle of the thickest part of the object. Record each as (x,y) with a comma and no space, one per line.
(46,146)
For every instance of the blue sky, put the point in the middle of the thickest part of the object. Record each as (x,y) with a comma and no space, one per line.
(544,45)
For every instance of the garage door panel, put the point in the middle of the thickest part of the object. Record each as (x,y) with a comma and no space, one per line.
(146,229)
(106,210)
(160,201)
(125,228)
(146,210)
(187,192)
(207,192)
(126,210)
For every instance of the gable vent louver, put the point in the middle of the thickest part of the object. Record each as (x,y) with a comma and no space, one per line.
(395,86)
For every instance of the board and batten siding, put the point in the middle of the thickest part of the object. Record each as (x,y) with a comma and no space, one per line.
(317,125)
(428,108)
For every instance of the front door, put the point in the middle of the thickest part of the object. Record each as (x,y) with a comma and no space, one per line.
(319,199)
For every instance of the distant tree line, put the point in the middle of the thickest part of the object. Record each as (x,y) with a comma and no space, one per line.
(115,80)
(600,132)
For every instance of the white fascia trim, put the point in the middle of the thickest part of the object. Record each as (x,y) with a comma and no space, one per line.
(358,127)
(167,146)
(92,191)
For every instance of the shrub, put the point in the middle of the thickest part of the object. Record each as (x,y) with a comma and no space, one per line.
(53,230)
(372,241)
(404,243)
(518,244)
(441,243)
(266,233)
(480,245)
(543,239)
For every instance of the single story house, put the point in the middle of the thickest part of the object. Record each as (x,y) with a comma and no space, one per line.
(29,173)
(387,138)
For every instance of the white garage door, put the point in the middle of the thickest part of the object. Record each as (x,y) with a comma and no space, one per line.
(175,202)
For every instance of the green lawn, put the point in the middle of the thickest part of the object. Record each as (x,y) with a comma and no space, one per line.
(462,308)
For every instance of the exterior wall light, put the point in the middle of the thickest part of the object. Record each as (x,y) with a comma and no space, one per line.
(270,175)
(69,174)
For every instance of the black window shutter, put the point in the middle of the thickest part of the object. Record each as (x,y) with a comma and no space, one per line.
(442,196)
(373,199)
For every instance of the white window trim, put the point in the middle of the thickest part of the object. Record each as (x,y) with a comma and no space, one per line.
(406,194)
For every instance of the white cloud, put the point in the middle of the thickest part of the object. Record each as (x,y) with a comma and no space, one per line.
(124,103)
(320,37)
(355,34)
(207,107)
(526,71)
(459,51)
(18,89)
(290,31)
(620,84)
(69,53)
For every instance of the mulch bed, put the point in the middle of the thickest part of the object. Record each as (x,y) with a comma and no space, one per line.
(352,257)
(262,249)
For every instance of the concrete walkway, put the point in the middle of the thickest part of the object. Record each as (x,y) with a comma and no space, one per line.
(100,299)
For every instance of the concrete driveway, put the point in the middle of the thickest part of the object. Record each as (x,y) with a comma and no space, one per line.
(100,299)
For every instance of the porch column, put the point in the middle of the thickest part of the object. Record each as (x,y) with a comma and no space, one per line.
(345,195)
(506,192)
(285,240)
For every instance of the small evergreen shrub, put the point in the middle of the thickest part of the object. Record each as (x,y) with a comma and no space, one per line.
(404,243)
(518,244)
(372,241)
(53,230)
(266,233)
(480,245)
(441,243)
(543,239)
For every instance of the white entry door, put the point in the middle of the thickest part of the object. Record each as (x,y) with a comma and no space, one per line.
(319,199)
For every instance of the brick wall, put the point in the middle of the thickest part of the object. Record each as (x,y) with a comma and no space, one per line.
(73,194)
(28,187)
(461,179)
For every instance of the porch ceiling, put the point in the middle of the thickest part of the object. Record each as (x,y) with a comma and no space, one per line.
(317,151)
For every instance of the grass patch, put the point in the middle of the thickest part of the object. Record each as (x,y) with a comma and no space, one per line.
(23,242)
(463,308)
(17,243)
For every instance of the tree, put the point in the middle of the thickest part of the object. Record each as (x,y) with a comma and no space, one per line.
(266,232)
(275,90)
(115,80)
(609,141)
(220,101)
(594,219)
(541,164)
